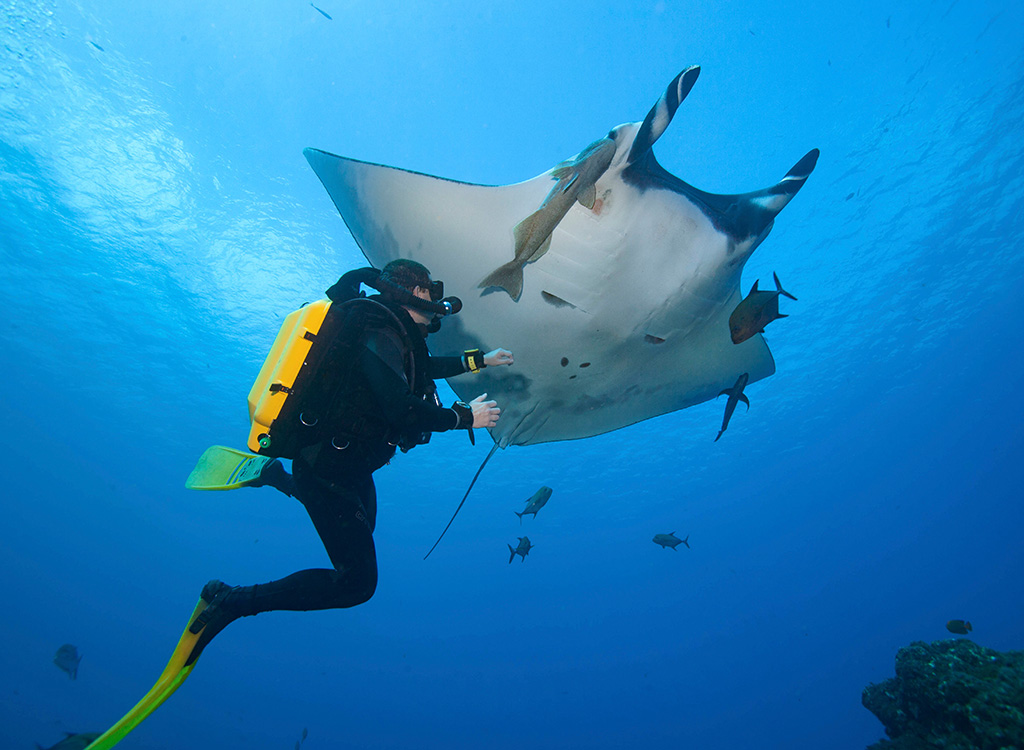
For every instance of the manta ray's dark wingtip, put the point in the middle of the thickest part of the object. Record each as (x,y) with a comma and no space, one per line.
(803,168)
(795,178)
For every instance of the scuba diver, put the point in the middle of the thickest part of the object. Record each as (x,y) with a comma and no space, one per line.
(385,399)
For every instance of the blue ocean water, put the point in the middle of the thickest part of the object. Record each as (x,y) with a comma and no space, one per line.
(157,220)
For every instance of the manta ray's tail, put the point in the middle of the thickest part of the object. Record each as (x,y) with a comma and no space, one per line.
(475,476)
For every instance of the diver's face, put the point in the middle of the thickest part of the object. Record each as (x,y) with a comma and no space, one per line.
(419,316)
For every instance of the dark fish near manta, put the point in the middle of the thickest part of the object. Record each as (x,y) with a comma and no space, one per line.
(670,540)
(960,627)
(735,396)
(74,741)
(756,311)
(523,549)
(68,659)
(321,12)
(535,503)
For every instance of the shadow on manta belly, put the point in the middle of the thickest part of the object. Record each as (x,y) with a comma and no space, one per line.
(610,279)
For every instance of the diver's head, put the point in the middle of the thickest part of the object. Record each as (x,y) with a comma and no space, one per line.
(413,277)
(408,283)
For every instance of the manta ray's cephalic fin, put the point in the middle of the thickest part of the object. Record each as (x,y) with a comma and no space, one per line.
(658,119)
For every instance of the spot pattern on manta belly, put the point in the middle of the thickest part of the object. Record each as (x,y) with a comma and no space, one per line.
(565,361)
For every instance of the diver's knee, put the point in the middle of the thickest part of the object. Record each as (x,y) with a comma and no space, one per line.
(367,587)
(355,586)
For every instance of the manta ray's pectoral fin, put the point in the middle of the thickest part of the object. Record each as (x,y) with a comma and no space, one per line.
(775,198)
(748,215)
(661,114)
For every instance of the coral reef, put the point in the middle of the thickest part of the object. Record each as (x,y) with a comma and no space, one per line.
(951,694)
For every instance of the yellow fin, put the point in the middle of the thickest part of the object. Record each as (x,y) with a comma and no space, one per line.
(174,674)
(223,468)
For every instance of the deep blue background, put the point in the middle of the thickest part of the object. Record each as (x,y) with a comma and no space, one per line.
(157,220)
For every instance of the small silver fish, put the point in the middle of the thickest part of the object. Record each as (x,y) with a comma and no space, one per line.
(535,503)
(670,540)
(523,548)
(68,659)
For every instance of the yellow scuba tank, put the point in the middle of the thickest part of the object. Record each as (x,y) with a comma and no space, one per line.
(287,365)
(296,396)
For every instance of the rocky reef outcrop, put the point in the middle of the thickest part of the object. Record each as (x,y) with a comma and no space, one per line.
(951,694)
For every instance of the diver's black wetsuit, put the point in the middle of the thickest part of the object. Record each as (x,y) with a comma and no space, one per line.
(392,386)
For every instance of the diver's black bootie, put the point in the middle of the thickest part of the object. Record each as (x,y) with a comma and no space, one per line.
(274,475)
(219,613)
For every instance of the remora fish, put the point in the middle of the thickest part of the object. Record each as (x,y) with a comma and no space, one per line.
(735,396)
(577,178)
(523,548)
(535,503)
(670,540)
(757,310)
(68,659)
(73,741)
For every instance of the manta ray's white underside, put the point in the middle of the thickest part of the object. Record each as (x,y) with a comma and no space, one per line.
(625,317)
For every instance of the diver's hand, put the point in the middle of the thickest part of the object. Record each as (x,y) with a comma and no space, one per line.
(498,357)
(485,413)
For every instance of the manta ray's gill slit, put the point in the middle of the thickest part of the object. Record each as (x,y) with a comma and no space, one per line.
(555,300)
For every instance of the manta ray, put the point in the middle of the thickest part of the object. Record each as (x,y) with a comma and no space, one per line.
(611,280)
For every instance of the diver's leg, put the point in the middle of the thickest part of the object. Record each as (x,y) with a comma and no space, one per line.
(344,515)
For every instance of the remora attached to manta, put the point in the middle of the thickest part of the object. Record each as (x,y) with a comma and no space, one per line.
(623,318)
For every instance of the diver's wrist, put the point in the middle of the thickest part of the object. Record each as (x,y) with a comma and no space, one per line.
(463,415)
(473,360)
